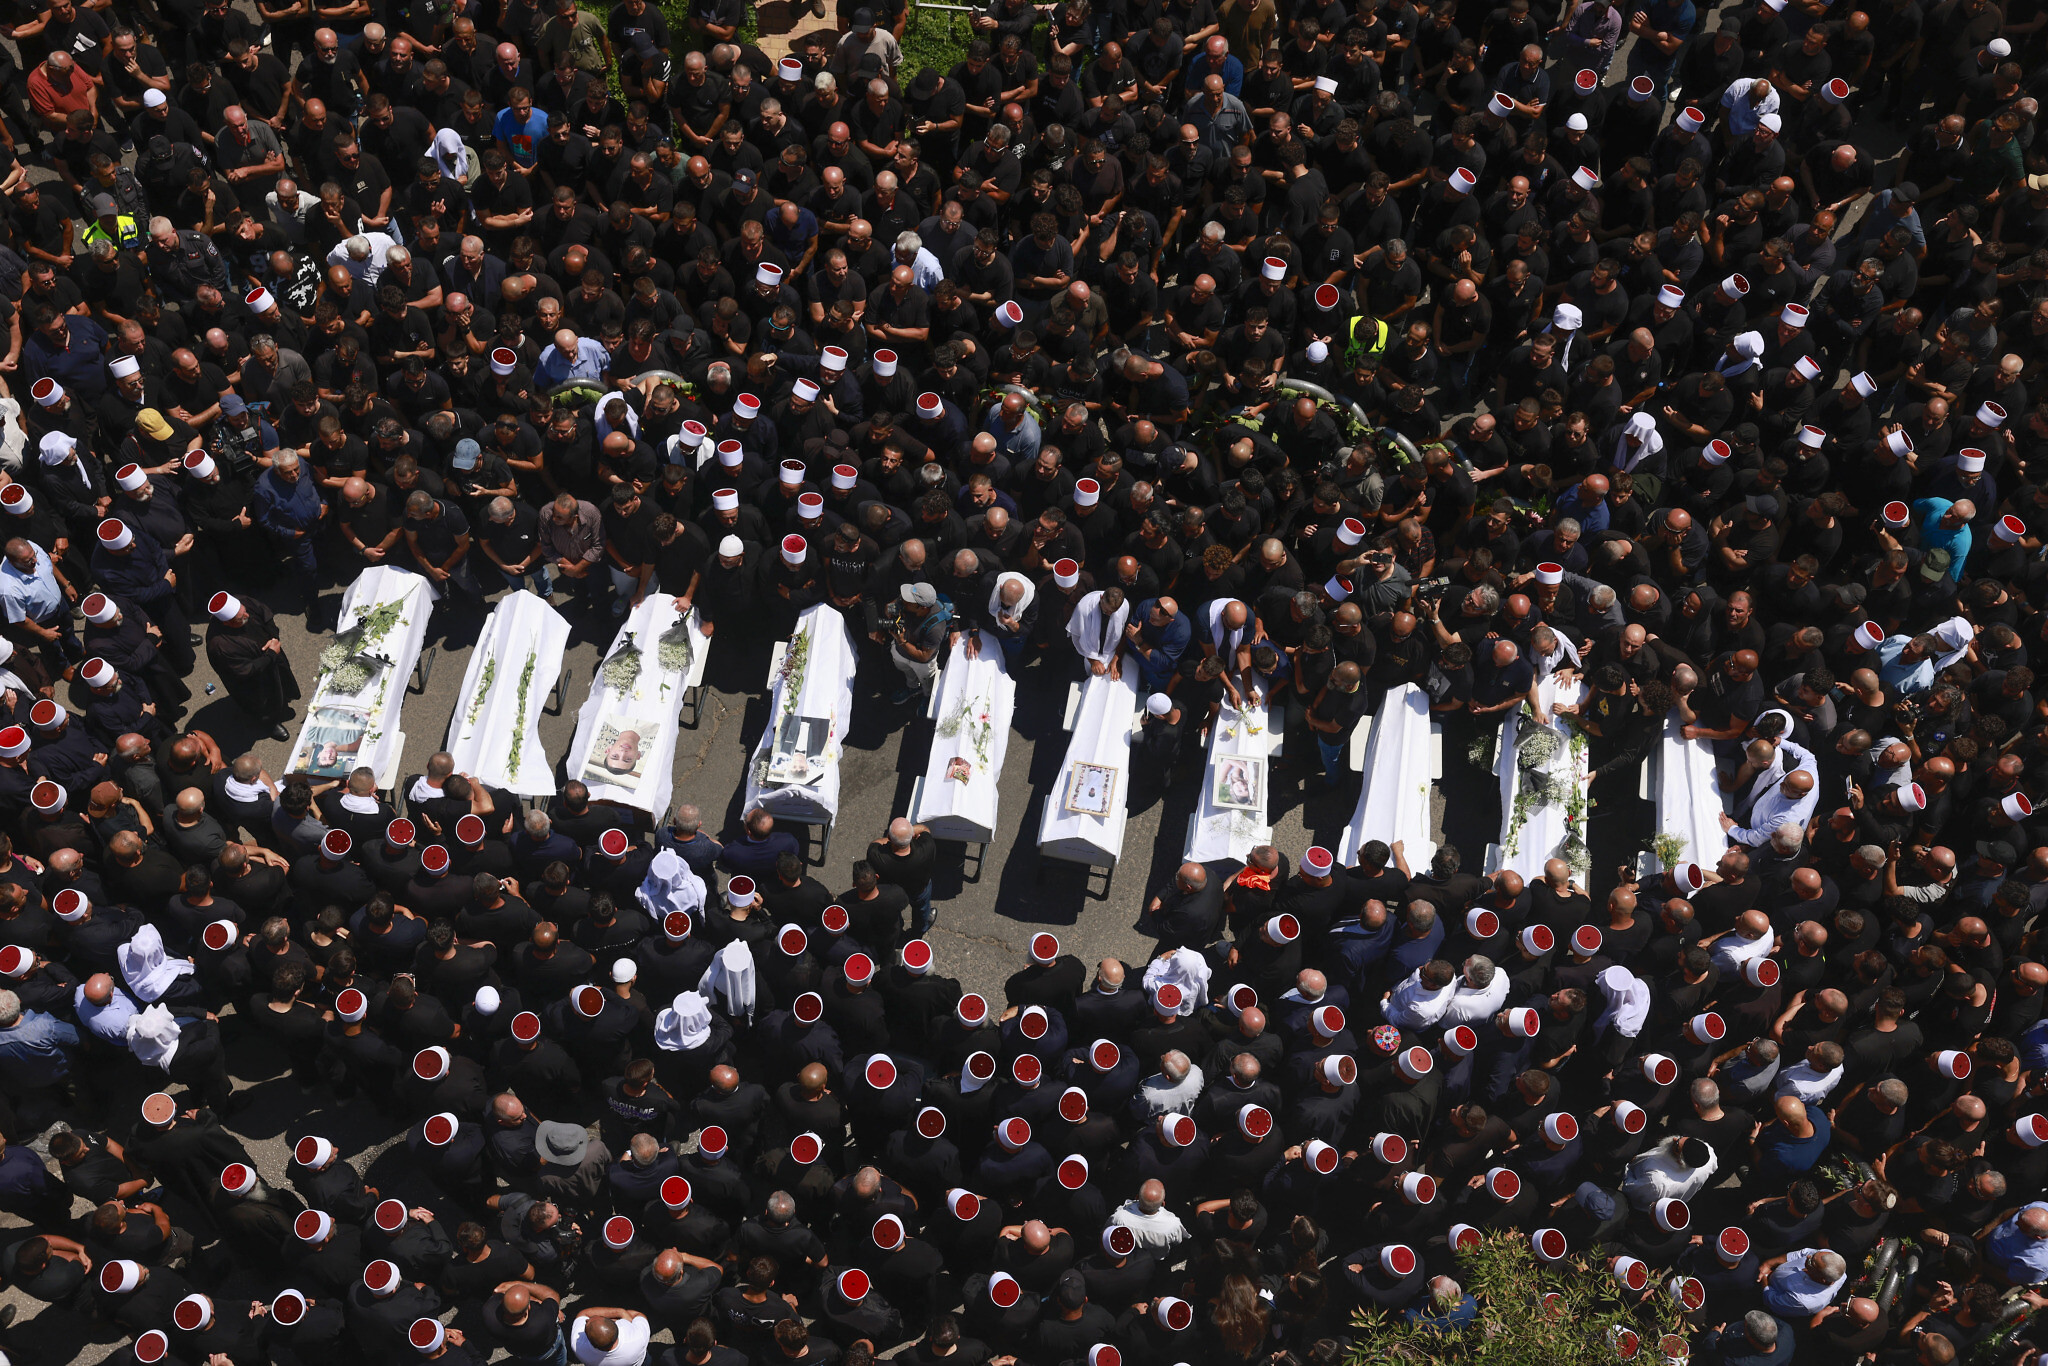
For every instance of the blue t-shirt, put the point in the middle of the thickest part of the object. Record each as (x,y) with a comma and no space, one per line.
(522,138)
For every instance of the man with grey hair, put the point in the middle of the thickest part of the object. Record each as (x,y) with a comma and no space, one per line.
(1759,1340)
(925,270)
(684,834)
(1172,1090)
(1805,1283)
(1480,993)
(38,1054)
(510,540)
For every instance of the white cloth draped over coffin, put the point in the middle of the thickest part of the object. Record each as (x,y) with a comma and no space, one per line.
(975,700)
(490,713)
(1102,723)
(818,714)
(1393,799)
(651,706)
(1228,832)
(1687,796)
(1544,829)
(383,697)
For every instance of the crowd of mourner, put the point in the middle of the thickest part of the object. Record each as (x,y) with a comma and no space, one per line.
(1282,355)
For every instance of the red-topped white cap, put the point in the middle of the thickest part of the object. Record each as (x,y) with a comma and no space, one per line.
(806,1148)
(1282,929)
(971,1010)
(853,1284)
(930,406)
(526,1026)
(1631,1275)
(1033,1023)
(1398,1260)
(430,1064)
(1009,313)
(1481,923)
(1537,939)
(1913,797)
(1339,1069)
(194,1314)
(884,361)
(1104,1055)
(1462,1040)
(115,535)
(1255,1122)
(1707,1027)
(1045,948)
(1953,1064)
(351,1005)
(1586,940)
(381,1278)
(1087,493)
(1549,1244)
(1549,574)
(1073,1105)
(1026,1070)
(312,1226)
(1003,1290)
(1013,1133)
(1416,1063)
(1418,1188)
(1970,460)
(931,1122)
(1502,1184)
(1391,1149)
(794,549)
(1673,1216)
(1320,1157)
(964,1205)
(1629,1117)
(1066,573)
(887,1233)
(1658,1070)
(1177,1131)
(439,1130)
(1073,1172)
(2009,529)
(1327,1021)
(712,1142)
(858,969)
(1560,1128)
(2015,806)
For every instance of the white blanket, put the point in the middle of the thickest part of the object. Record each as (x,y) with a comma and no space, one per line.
(1393,799)
(625,744)
(973,705)
(822,671)
(346,731)
(521,651)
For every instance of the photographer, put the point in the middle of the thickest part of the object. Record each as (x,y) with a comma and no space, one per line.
(914,627)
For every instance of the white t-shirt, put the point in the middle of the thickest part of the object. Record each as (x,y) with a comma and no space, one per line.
(629,1350)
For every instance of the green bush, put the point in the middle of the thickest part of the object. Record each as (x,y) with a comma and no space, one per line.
(1531,1313)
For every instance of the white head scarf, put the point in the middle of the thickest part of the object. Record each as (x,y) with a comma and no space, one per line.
(1187,970)
(685,1024)
(153,1036)
(1748,346)
(672,884)
(730,980)
(1628,1002)
(1643,427)
(1096,638)
(148,971)
(1956,634)
(995,597)
(449,153)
